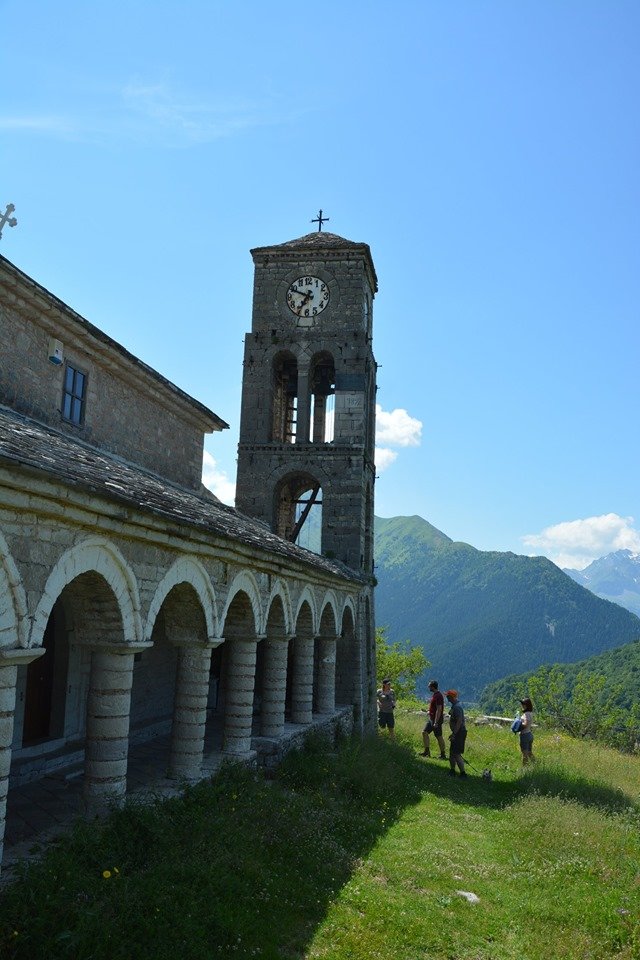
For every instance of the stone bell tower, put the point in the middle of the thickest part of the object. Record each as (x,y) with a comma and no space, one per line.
(307,429)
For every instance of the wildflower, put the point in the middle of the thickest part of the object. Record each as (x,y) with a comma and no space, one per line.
(106,874)
(115,870)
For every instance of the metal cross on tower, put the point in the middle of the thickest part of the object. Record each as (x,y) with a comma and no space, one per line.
(320,220)
(7,218)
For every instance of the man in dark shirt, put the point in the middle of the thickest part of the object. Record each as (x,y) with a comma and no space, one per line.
(434,723)
(458,734)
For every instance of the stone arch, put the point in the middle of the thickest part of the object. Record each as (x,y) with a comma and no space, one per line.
(279,589)
(324,655)
(297,505)
(245,583)
(13,601)
(347,654)
(329,618)
(307,597)
(301,660)
(95,555)
(349,604)
(188,571)
(239,654)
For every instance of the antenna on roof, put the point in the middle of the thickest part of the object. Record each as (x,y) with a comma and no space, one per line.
(7,218)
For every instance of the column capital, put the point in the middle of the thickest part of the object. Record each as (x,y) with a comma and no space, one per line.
(119,648)
(196,646)
(17,656)
(279,637)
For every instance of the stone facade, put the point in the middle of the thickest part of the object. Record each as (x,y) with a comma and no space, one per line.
(134,604)
(164,426)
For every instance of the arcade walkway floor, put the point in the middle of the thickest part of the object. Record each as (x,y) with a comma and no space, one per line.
(43,809)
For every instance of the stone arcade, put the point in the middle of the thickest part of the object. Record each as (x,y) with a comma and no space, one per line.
(135,607)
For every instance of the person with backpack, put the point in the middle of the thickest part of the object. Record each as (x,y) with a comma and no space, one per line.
(458,734)
(526,731)
(434,721)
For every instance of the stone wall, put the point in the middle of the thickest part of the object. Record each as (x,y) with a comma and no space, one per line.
(128,414)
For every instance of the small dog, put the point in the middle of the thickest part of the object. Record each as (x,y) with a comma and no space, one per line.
(487,775)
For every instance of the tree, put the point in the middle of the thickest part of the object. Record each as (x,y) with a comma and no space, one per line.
(403,663)
(585,708)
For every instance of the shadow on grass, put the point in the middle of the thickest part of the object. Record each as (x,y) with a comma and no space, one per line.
(240,866)
(548,780)
(543,778)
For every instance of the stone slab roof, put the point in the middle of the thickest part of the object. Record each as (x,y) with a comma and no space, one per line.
(59,457)
(316,243)
(317,239)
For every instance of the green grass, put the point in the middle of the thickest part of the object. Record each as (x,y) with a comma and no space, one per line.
(355,853)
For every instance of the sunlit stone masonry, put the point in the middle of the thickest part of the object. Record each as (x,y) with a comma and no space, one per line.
(134,606)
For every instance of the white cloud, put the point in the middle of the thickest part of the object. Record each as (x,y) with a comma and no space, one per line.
(61,126)
(217,480)
(189,119)
(397,429)
(384,458)
(577,543)
(141,111)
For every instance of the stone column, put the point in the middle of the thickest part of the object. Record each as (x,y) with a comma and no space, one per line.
(302,686)
(326,692)
(303,427)
(274,686)
(190,710)
(10,659)
(108,715)
(241,675)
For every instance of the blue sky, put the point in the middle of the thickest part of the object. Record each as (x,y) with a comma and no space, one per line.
(487,151)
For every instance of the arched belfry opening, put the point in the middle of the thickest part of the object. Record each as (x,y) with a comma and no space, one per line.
(298,511)
(322,382)
(285,398)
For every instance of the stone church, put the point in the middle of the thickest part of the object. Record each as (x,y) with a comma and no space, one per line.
(138,609)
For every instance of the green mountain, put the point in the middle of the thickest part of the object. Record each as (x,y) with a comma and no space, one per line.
(482,615)
(620,666)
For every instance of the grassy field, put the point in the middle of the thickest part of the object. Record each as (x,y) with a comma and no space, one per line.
(362,852)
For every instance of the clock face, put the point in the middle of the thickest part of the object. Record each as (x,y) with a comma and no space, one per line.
(306,298)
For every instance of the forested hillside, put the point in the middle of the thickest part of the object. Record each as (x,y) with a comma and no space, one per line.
(480,616)
(621,667)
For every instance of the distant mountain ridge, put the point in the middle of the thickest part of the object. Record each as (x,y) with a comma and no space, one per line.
(615,577)
(482,615)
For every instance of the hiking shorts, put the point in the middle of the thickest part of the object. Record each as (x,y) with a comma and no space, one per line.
(386,719)
(429,728)
(457,743)
(526,741)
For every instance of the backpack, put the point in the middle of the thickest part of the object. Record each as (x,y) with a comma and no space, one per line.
(515,726)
